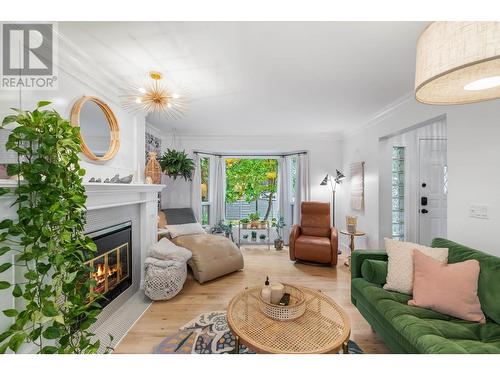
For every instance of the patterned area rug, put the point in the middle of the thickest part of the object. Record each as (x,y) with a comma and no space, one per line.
(209,333)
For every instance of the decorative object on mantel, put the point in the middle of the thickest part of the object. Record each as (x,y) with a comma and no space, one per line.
(153,168)
(149,180)
(115,179)
(106,181)
(156,96)
(177,164)
(96,119)
(50,218)
(458,63)
(209,333)
(126,180)
(358,186)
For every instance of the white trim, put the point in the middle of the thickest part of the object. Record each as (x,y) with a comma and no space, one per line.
(379,116)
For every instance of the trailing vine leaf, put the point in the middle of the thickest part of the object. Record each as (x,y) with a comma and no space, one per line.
(49,239)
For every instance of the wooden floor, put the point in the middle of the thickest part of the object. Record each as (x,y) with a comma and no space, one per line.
(164,318)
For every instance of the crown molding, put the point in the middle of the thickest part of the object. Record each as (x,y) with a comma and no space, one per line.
(380,115)
(332,136)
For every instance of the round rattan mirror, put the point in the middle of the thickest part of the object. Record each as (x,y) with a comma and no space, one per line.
(99,130)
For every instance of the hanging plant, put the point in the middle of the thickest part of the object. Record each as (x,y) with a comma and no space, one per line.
(47,239)
(177,164)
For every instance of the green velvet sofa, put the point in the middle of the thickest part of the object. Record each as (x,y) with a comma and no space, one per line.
(407,329)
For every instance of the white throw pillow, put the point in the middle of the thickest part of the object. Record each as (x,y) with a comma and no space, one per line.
(400,266)
(185,229)
(166,250)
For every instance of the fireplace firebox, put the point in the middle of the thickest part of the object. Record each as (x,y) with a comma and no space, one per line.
(111,266)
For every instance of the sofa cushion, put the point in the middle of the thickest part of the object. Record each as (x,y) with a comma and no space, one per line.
(447,288)
(374,271)
(400,267)
(421,330)
(314,249)
(489,275)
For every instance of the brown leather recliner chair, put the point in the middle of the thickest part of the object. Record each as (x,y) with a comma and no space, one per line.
(314,240)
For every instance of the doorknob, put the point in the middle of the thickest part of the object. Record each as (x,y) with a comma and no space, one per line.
(424,211)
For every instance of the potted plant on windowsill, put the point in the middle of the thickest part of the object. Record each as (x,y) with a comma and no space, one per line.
(254,220)
(244,223)
(263,224)
(279,224)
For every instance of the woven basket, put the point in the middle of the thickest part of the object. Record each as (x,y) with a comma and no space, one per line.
(164,283)
(295,309)
(153,168)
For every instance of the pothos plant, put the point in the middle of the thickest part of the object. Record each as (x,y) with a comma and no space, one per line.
(56,304)
(177,164)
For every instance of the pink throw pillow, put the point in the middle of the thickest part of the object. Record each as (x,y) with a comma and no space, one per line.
(447,288)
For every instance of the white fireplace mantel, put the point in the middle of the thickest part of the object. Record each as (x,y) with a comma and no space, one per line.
(99,196)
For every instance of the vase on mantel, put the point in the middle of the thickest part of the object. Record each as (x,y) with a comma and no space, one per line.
(153,168)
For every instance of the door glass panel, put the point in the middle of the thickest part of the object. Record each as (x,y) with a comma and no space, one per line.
(398,189)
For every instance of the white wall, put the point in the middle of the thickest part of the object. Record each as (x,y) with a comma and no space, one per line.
(473,167)
(72,88)
(324,151)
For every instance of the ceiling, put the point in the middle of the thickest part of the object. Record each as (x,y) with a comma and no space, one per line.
(260,77)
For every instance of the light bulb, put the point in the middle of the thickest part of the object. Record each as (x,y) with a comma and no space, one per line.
(175,96)
(142,90)
(138,100)
(169,105)
(483,84)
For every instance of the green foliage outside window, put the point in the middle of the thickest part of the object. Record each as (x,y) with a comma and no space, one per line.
(251,179)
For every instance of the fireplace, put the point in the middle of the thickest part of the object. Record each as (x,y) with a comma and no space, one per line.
(112,264)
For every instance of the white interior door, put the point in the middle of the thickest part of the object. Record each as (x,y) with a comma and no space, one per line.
(433,190)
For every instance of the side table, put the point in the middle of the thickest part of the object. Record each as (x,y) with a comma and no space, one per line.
(351,243)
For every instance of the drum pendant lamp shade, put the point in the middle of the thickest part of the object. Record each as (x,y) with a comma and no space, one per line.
(458,63)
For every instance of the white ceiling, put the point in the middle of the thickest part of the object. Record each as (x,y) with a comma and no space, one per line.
(261,77)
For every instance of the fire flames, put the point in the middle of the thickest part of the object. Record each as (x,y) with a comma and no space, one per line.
(100,275)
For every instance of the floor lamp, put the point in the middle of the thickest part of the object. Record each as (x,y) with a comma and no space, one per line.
(333,183)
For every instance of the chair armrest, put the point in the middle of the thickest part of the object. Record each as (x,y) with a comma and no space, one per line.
(294,234)
(334,243)
(359,256)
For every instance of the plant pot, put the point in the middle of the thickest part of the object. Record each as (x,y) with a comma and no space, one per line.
(263,224)
(244,225)
(278,244)
(254,224)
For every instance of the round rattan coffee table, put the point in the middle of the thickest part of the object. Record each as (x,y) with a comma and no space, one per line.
(324,327)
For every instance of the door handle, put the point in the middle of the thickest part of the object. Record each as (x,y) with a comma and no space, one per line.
(424,211)
(423,201)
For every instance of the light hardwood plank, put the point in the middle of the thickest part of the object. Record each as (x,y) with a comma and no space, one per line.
(164,318)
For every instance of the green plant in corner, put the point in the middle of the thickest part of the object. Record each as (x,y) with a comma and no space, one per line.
(177,164)
(47,240)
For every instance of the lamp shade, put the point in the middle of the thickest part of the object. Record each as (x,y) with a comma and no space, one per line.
(458,63)
(325,181)
(339,177)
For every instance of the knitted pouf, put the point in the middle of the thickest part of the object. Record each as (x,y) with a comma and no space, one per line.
(164,283)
